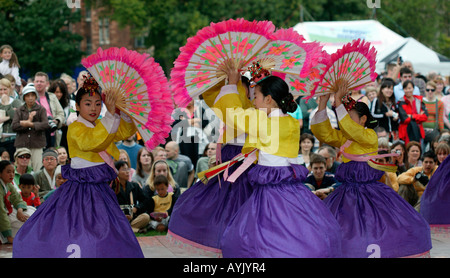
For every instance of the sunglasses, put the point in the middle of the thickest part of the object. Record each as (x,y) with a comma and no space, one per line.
(430,90)
(27,156)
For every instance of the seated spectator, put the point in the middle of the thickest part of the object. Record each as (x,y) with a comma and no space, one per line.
(412,183)
(202,163)
(389,178)
(160,167)
(306,146)
(181,165)
(319,181)
(46,178)
(59,180)
(63,158)
(143,167)
(13,210)
(123,156)
(22,158)
(329,153)
(413,154)
(4,154)
(399,148)
(130,198)
(442,150)
(159,153)
(161,205)
(29,190)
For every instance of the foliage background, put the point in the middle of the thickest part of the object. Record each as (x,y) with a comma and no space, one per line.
(38,29)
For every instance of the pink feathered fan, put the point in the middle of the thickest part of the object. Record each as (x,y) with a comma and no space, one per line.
(354,63)
(144,91)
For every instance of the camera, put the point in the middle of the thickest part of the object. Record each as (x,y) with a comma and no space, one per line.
(52,124)
(422,178)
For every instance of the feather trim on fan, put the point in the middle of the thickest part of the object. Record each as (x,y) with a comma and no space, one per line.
(180,93)
(157,94)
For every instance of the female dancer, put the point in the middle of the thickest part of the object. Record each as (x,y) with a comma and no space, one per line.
(375,220)
(83,218)
(281,218)
(202,212)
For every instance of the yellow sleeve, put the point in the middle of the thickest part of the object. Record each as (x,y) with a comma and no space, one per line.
(408,176)
(210,95)
(87,139)
(324,132)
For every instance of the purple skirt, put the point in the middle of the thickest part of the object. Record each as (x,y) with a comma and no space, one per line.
(435,201)
(202,212)
(81,219)
(281,219)
(374,219)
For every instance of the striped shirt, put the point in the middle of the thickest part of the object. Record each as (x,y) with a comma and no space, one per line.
(431,108)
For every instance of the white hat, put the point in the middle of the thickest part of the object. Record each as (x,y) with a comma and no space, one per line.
(29,88)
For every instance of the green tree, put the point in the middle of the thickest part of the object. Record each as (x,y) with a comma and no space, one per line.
(39,33)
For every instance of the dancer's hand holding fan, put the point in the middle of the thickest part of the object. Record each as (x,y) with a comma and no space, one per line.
(141,87)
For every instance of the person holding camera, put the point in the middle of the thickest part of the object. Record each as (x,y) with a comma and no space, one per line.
(30,123)
(412,183)
(50,102)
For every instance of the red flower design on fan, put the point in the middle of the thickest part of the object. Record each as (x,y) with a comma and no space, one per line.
(212,54)
(289,63)
(299,86)
(277,51)
(200,80)
(243,46)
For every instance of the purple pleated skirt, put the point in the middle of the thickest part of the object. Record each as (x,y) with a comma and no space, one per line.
(81,219)
(375,220)
(435,201)
(281,219)
(202,212)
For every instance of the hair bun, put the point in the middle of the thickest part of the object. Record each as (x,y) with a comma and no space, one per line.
(288,104)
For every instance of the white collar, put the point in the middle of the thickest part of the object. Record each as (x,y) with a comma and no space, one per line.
(276,112)
(84,121)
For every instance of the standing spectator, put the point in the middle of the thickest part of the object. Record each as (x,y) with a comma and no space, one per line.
(131,147)
(418,82)
(30,123)
(63,158)
(442,150)
(9,63)
(384,109)
(181,165)
(439,81)
(8,106)
(412,113)
(49,101)
(46,178)
(143,166)
(306,108)
(59,88)
(330,155)
(405,74)
(159,153)
(446,101)
(435,108)
(371,94)
(22,166)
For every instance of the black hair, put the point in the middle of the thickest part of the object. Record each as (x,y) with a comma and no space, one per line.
(59,83)
(118,164)
(81,92)
(405,70)
(406,83)
(27,179)
(362,109)
(161,179)
(430,154)
(279,91)
(3,164)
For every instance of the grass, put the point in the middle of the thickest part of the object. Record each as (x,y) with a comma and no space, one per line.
(151,233)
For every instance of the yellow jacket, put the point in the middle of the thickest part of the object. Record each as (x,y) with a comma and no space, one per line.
(408,177)
(364,140)
(86,141)
(275,134)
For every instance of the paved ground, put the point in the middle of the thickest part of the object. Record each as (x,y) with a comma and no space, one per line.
(161,247)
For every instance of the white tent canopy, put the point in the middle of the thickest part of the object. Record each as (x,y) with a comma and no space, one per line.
(332,35)
(423,59)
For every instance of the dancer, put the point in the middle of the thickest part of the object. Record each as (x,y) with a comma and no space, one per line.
(375,220)
(202,212)
(83,218)
(281,218)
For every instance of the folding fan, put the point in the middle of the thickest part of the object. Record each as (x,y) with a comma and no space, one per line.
(354,63)
(142,86)
(201,61)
